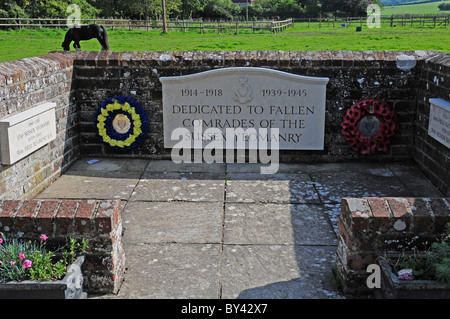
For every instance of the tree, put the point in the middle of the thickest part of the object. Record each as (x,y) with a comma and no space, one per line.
(146,9)
(288,9)
(220,9)
(190,8)
(444,6)
(255,11)
(348,7)
(164,16)
(12,9)
(109,8)
(312,8)
(58,8)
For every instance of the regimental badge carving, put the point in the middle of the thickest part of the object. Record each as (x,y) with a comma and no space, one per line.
(369,126)
(243,94)
(121,123)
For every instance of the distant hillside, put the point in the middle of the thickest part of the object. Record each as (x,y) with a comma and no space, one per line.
(415,8)
(400,2)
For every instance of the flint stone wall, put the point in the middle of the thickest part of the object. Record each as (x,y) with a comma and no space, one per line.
(24,84)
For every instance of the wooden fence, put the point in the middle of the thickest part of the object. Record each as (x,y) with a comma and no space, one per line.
(274,26)
(174,25)
(391,21)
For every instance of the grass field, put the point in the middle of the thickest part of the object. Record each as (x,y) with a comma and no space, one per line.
(419,8)
(18,44)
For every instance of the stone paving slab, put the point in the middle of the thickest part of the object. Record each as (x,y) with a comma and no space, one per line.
(332,186)
(278,272)
(93,185)
(283,168)
(167,271)
(177,222)
(415,181)
(279,188)
(159,166)
(277,224)
(180,187)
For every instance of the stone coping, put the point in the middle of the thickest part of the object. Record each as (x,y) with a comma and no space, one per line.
(19,70)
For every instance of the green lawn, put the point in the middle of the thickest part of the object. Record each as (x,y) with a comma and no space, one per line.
(419,8)
(25,43)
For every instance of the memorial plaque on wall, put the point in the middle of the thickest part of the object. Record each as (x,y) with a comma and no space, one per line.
(439,121)
(25,132)
(247,98)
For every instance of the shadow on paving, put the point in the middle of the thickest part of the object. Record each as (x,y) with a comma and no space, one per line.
(227,231)
(315,197)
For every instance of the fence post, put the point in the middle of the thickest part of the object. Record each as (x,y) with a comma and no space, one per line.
(201,27)
(237,28)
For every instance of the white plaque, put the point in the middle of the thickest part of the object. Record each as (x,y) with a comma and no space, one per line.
(439,121)
(247,98)
(25,132)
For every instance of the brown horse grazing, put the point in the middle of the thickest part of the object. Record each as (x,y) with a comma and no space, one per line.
(85,32)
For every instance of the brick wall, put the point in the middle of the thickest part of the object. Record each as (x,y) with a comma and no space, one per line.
(432,156)
(368,227)
(97,221)
(353,76)
(24,84)
(79,81)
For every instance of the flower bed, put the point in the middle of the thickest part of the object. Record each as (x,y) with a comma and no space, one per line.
(30,270)
(393,287)
(70,287)
(424,275)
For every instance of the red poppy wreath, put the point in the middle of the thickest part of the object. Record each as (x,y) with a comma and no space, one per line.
(369,125)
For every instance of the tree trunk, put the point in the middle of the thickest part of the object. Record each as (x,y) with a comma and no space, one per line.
(164,16)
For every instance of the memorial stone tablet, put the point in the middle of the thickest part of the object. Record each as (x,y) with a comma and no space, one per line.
(25,132)
(247,98)
(439,121)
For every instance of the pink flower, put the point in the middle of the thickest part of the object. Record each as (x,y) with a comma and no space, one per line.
(21,256)
(13,263)
(1,240)
(43,237)
(27,263)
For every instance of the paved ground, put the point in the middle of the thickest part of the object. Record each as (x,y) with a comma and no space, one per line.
(225,230)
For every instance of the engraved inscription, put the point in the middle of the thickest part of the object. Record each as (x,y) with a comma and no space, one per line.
(439,123)
(23,133)
(246,98)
